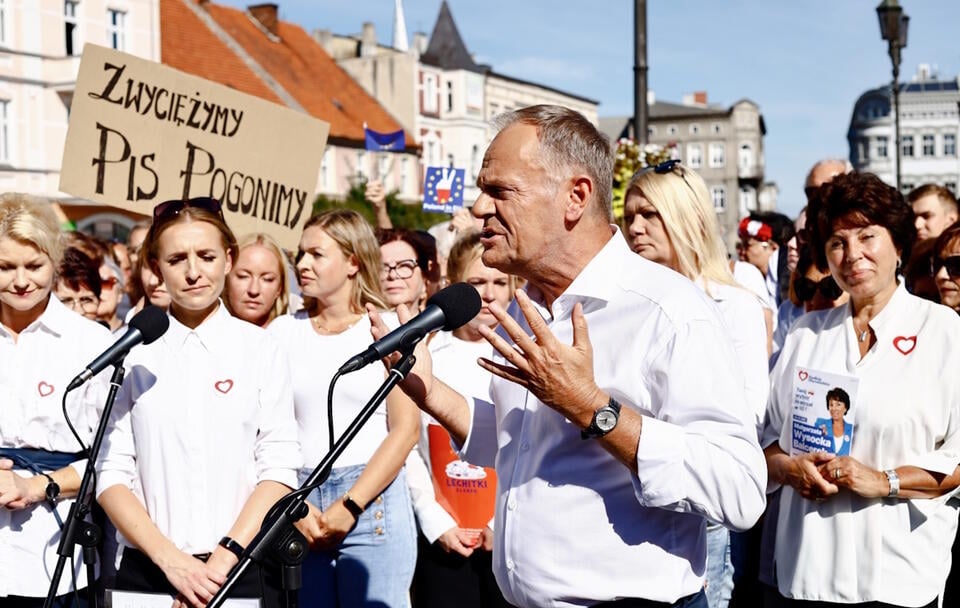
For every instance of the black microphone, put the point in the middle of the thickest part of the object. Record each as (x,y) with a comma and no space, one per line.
(145,326)
(447,309)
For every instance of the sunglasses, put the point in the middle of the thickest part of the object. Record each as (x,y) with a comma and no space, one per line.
(806,288)
(951,263)
(668,166)
(169,209)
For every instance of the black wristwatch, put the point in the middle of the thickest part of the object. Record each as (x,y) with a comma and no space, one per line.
(604,420)
(232,546)
(52,492)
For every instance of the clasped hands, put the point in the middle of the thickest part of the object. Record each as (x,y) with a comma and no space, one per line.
(820,475)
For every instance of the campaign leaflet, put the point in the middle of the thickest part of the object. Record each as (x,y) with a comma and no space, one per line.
(824,412)
(467,492)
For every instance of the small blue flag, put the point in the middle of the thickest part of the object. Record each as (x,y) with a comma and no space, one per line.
(443,189)
(384,142)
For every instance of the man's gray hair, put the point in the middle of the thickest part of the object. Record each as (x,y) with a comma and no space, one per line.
(569,141)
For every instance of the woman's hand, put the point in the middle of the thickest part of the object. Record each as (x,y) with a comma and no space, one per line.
(486,539)
(18,492)
(195,581)
(805,475)
(849,473)
(458,540)
(326,529)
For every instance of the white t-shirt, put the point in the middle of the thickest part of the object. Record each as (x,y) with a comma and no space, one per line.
(906,411)
(313,360)
(202,417)
(34,372)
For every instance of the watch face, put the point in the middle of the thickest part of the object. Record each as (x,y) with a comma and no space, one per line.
(53,491)
(606,419)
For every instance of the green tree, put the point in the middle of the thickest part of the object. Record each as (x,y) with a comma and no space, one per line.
(412,217)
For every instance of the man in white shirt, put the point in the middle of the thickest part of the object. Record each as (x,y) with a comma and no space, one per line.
(611,449)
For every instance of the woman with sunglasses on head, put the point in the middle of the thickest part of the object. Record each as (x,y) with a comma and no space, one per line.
(669,219)
(42,347)
(257,285)
(360,524)
(875,526)
(202,440)
(945,266)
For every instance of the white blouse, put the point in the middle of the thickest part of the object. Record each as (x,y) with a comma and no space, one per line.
(34,372)
(313,361)
(906,411)
(203,416)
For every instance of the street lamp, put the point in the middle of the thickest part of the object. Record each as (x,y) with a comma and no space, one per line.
(893,29)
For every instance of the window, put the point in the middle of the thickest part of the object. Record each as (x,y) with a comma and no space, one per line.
(494,109)
(117,29)
(907,145)
(949,144)
(715,127)
(449,160)
(449,96)
(719,196)
(863,148)
(694,156)
(361,162)
(694,129)
(671,129)
(70,26)
(928,145)
(651,132)
(716,154)
(745,159)
(429,156)
(882,146)
(404,174)
(906,187)
(4,131)
(325,169)
(429,93)
(3,21)
(474,162)
(748,199)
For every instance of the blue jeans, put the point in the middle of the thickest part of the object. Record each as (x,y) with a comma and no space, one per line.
(374,564)
(719,567)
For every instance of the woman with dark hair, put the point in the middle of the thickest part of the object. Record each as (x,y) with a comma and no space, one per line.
(945,266)
(78,283)
(410,272)
(874,526)
(835,427)
(202,440)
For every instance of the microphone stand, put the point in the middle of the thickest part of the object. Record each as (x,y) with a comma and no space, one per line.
(278,540)
(77,530)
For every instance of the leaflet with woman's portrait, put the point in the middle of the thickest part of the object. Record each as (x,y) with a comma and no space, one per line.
(824,410)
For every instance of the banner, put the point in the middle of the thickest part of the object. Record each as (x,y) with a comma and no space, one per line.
(443,189)
(384,142)
(141,133)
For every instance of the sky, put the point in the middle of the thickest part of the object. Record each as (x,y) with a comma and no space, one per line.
(804,63)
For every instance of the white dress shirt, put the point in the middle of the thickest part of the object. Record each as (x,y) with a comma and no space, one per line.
(574,526)
(203,416)
(34,372)
(850,549)
(313,361)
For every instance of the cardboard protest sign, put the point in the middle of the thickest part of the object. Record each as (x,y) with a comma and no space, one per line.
(141,133)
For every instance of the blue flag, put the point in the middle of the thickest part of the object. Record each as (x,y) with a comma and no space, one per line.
(443,189)
(384,142)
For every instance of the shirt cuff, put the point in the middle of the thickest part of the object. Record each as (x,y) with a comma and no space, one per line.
(659,463)
(434,521)
(287,477)
(108,479)
(480,446)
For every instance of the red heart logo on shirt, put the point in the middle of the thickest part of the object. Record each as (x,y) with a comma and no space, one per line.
(803,375)
(44,389)
(224,386)
(904,344)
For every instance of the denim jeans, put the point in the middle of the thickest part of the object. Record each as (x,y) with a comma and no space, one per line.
(719,567)
(374,564)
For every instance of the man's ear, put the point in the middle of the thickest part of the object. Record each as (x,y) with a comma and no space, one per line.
(579,194)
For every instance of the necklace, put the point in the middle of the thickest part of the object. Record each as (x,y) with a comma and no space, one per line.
(863,335)
(326,330)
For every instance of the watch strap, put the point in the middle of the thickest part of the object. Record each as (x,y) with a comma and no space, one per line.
(355,509)
(594,431)
(894,480)
(52,491)
(232,546)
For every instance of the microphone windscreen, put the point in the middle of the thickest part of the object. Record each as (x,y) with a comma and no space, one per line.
(459,302)
(152,322)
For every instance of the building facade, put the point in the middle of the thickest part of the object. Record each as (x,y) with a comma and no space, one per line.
(929,129)
(724,145)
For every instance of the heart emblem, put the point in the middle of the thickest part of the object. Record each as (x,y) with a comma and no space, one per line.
(803,375)
(904,344)
(224,386)
(44,389)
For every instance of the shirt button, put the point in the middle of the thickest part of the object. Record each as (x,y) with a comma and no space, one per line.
(524,446)
(510,564)
(378,514)
(379,531)
(511,504)
(378,499)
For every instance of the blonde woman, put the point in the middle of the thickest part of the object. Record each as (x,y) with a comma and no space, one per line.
(669,219)
(257,285)
(361,522)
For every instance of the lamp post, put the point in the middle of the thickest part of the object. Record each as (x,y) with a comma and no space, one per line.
(893,29)
(640,72)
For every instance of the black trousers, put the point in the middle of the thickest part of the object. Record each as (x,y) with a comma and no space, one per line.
(67,600)
(138,573)
(449,580)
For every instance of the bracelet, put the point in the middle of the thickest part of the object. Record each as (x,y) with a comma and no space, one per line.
(232,546)
(352,506)
(894,481)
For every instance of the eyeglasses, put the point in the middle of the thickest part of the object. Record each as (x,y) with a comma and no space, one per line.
(951,263)
(806,288)
(403,269)
(169,209)
(85,303)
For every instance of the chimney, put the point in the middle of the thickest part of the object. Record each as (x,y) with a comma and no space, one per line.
(700,97)
(368,39)
(323,37)
(266,14)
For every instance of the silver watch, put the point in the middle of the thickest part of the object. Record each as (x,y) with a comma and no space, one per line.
(894,481)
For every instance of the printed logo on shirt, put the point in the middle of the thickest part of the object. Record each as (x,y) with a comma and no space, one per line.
(44,389)
(224,386)
(803,375)
(904,344)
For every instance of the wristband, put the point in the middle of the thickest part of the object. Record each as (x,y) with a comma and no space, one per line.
(232,546)
(352,506)
(894,481)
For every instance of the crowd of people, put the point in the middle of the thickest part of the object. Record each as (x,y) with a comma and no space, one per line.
(635,418)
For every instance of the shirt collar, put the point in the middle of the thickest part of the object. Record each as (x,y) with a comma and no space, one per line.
(894,312)
(53,319)
(210,333)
